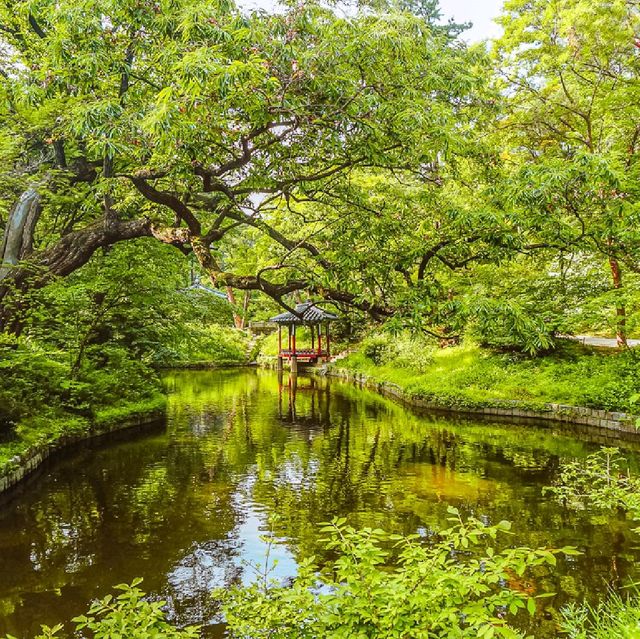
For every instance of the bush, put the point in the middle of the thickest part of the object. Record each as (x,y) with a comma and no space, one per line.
(403,350)
(30,380)
(453,585)
(508,326)
(379,348)
(602,481)
(128,615)
(616,384)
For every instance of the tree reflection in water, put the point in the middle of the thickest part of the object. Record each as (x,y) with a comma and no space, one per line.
(184,506)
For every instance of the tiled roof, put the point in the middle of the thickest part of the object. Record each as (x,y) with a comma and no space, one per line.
(307,313)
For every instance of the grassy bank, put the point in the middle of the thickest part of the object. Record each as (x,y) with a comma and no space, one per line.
(47,397)
(38,433)
(469,376)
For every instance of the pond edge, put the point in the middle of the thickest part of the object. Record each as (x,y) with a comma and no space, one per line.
(25,464)
(562,413)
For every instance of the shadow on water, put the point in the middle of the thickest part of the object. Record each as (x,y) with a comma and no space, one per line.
(185,506)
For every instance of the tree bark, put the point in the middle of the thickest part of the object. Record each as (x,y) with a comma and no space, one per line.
(621,312)
(245,307)
(17,241)
(238,320)
(70,253)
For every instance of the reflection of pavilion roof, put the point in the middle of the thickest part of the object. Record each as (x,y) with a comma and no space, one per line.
(307,313)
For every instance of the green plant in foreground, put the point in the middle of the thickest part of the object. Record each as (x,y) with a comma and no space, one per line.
(616,618)
(379,586)
(602,481)
(454,586)
(125,616)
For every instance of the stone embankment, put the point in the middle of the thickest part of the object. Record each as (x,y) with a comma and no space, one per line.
(23,465)
(592,418)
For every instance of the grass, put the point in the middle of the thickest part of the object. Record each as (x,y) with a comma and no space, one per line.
(40,431)
(616,617)
(470,376)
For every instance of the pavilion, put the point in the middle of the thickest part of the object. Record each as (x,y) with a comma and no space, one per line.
(306,314)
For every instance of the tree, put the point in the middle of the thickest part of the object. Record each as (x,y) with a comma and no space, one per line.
(189,122)
(570,71)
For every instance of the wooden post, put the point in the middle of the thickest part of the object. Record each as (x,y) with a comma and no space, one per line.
(319,340)
(313,335)
(280,348)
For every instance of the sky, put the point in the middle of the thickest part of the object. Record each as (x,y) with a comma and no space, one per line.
(480,12)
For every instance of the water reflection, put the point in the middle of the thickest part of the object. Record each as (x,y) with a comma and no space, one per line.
(186,506)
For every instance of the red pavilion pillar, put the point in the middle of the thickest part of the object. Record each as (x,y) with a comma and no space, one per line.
(294,357)
(328,343)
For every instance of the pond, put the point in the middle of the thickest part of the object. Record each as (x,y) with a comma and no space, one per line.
(184,504)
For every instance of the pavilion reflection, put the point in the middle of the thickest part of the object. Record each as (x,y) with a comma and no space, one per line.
(303,401)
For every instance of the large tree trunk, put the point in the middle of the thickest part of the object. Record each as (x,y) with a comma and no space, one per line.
(238,320)
(17,241)
(621,312)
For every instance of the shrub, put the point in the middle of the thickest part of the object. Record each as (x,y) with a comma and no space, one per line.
(128,615)
(602,481)
(456,584)
(30,380)
(379,348)
(508,326)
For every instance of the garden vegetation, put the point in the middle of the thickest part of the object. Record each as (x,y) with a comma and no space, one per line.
(173,169)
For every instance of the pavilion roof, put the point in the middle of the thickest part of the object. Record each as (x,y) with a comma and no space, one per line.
(306,313)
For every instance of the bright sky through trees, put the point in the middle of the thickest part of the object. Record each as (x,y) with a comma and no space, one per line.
(481,14)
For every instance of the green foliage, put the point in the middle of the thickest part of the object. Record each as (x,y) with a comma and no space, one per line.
(602,481)
(569,136)
(616,617)
(30,380)
(402,350)
(378,348)
(508,326)
(207,344)
(37,382)
(134,297)
(128,614)
(470,376)
(452,585)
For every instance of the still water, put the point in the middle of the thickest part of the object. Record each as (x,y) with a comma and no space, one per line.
(184,504)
